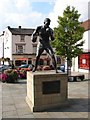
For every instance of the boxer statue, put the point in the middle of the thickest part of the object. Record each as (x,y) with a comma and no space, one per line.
(45,34)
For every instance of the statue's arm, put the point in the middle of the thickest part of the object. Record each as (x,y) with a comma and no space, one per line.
(52,35)
(34,35)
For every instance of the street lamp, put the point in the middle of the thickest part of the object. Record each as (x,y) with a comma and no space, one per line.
(3,45)
(3,51)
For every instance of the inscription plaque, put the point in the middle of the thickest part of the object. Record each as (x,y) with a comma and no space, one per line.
(51,87)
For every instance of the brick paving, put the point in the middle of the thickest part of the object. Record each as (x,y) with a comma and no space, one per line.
(13,102)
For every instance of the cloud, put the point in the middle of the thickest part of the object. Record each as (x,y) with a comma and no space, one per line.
(60,5)
(24,20)
(18,12)
(22,4)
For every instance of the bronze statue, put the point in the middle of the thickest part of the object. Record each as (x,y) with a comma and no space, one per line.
(45,34)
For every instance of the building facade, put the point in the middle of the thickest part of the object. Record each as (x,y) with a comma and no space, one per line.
(17,45)
(82,62)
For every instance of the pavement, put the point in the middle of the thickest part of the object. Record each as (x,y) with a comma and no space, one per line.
(13,103)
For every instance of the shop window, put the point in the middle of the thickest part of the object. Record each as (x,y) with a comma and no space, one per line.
(41,62)
(29,61)
(18,62)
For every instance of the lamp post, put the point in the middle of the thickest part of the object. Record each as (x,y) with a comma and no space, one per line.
(2,35)
(3,51)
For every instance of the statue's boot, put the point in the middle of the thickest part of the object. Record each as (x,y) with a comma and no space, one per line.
(34,69)
(57,71)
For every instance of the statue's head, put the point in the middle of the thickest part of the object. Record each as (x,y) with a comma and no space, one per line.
(47,21)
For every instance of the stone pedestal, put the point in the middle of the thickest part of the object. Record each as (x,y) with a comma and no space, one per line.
(46,90)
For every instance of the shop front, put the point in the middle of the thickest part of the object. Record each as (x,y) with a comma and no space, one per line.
(84,61)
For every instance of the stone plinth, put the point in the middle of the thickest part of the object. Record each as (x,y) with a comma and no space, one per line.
(46,90)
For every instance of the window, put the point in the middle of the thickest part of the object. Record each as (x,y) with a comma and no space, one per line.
(58,60)
(84,61)
(22,38)
(40,62)
(29,60)
(20,48)
(18,62)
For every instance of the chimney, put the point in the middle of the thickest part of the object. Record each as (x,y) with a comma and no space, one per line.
(8,27)
(3,32)
(19,27)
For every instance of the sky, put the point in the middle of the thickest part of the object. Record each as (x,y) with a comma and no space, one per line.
(31,13)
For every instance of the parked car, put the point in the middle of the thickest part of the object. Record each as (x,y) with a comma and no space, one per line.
(31,66)
(23,66)
(61,67)
(4,67)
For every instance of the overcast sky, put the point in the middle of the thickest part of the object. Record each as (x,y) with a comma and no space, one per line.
(31,13)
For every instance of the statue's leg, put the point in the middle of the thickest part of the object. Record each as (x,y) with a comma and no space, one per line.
(54,62)
(51,53)
(39,52)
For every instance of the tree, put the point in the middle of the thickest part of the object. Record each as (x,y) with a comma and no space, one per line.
(68,35)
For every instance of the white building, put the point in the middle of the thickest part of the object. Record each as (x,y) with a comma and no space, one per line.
(82,62)
(16,44)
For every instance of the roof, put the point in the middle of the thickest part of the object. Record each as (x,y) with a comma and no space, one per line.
(26,31)
(20,31)
(86,25)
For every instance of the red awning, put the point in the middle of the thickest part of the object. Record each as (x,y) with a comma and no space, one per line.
(22,58)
